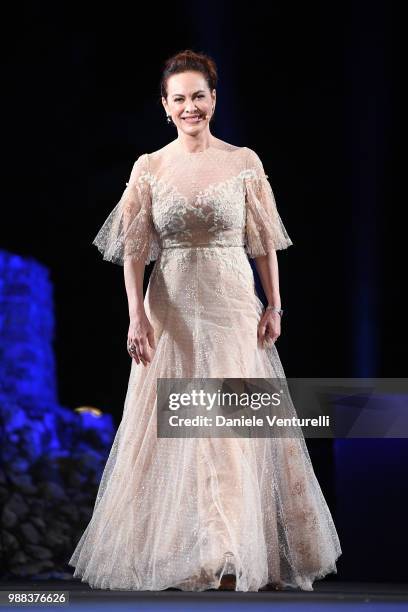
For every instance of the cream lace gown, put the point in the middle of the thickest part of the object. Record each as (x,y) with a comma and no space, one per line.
(182,512)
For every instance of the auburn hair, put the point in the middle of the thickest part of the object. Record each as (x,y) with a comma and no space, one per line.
(189,60)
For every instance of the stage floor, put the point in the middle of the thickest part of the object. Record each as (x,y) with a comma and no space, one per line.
(328,595)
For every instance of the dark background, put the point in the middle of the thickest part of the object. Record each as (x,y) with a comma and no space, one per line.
(311,87)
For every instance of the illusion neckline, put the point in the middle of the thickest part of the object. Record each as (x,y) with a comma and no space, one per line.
(193,153)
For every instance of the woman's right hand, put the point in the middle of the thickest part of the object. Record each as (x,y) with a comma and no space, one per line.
(140,337)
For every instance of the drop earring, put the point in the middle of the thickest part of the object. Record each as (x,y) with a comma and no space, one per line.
(169,120)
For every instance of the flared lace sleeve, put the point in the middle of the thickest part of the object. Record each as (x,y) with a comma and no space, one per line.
(264,228)
(129,232)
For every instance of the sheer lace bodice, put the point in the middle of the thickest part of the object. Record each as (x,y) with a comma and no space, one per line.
(218,197)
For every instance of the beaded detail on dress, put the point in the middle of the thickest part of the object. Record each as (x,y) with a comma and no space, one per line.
(221,197)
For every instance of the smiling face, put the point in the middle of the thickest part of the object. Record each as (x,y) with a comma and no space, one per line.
(189,102)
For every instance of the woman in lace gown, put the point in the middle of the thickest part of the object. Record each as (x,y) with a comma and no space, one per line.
(184,512)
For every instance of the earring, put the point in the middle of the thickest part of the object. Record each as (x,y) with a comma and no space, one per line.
(169,120)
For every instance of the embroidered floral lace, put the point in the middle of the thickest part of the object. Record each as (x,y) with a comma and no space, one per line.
(220,197)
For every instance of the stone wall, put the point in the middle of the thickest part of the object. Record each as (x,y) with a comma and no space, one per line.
(51,458)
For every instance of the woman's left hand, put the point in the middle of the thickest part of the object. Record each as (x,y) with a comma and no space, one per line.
(269,327)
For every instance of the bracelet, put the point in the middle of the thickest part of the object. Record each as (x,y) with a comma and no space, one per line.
(275,309)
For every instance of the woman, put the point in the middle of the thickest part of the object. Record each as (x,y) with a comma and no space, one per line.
(185,513)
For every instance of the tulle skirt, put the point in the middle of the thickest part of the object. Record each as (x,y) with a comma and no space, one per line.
(182,512)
